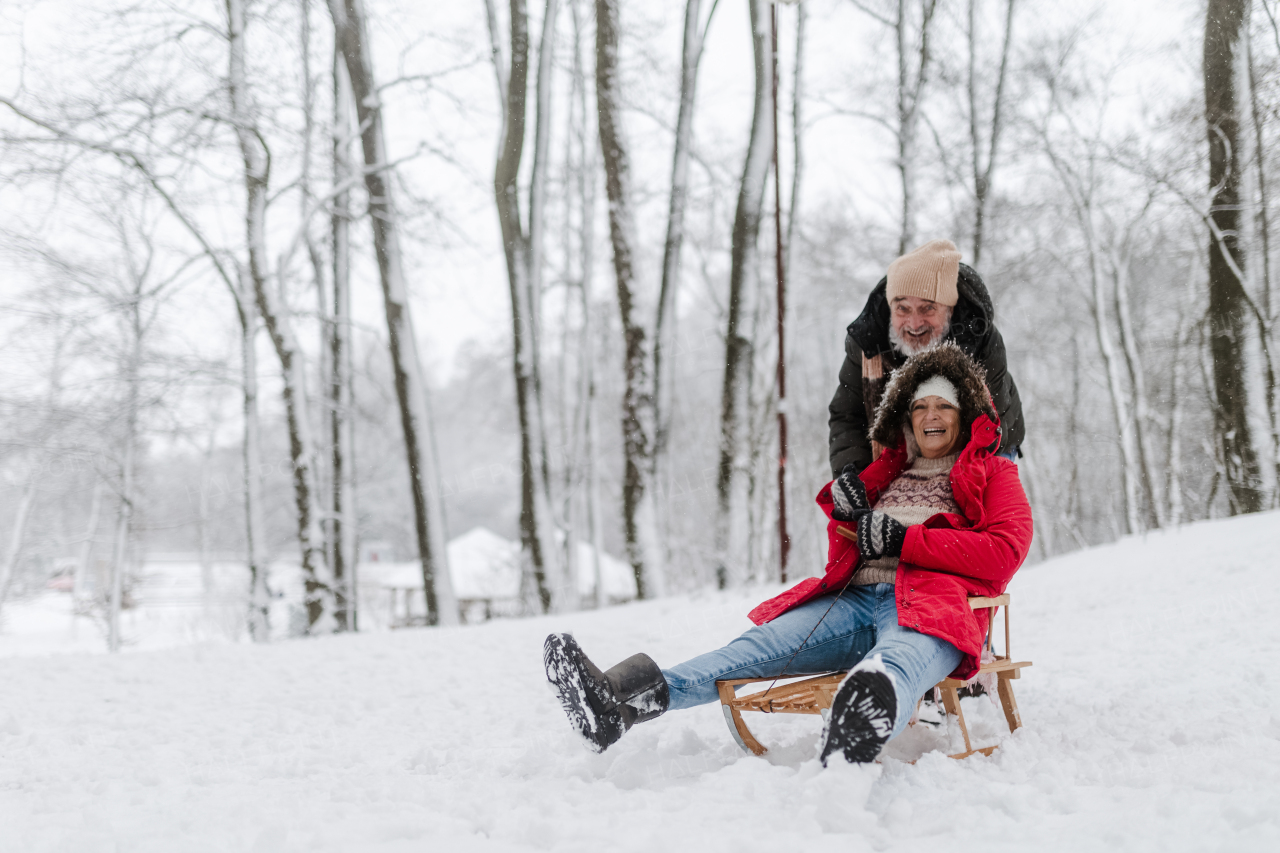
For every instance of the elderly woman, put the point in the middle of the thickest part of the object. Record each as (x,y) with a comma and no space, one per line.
(939,518)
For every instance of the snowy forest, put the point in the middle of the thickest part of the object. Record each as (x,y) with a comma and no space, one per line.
(294,288)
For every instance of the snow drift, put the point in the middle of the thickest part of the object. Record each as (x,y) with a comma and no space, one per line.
(1151,723)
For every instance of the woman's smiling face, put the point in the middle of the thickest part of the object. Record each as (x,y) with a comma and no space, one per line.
(936,424)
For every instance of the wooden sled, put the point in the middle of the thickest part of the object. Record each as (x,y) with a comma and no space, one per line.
(813,695)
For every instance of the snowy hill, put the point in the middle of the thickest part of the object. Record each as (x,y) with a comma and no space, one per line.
(1152,722)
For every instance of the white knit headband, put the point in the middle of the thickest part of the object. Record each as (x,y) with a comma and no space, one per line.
(937,386)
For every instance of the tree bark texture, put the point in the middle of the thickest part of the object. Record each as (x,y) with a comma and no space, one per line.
(128,461)
(259,621)
(912,77)
(1139,410)
(983,173)
(522,250)
(317,587)
(665,325)
(351,30)
(1228,345)
(341,391)
(639,517)
(745,237)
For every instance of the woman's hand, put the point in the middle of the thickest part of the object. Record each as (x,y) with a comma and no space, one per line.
(849,495)
(879,534)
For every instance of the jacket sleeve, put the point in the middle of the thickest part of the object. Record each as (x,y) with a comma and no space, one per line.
(1004,393)
(848,416)
(992,553)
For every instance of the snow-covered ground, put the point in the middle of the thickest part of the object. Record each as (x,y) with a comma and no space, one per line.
(1152,722)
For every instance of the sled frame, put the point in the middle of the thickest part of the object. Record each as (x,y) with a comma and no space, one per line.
(814,693)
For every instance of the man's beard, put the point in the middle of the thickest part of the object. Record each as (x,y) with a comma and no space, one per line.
(910,348)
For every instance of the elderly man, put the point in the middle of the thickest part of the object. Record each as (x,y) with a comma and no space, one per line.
(927,297)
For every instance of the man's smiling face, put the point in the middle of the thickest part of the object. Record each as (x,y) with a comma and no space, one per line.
(916,324)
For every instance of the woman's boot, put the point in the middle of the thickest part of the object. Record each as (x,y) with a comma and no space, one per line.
(863,712)
(603,705)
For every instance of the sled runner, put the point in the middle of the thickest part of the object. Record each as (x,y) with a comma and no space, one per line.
(814,695)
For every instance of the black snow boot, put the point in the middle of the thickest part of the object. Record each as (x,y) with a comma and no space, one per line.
(603,705)
(862,715)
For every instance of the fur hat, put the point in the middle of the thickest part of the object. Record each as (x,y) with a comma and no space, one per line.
(946,360)
(929,272)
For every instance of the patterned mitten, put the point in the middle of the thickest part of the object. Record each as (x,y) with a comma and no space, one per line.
(880,535)
(849,495)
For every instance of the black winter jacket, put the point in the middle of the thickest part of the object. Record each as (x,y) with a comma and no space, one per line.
(972,328)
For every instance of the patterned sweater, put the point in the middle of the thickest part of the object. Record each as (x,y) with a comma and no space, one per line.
(919,493)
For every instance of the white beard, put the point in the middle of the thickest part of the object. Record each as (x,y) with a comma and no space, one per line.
(910,348)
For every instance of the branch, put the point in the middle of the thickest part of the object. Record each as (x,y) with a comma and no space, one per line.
(131,160)
(427,78)
(876,15)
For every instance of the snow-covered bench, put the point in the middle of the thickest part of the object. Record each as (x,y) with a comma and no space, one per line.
(813,695)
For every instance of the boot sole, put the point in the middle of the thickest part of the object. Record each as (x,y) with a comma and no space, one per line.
(567,672)
(862,718)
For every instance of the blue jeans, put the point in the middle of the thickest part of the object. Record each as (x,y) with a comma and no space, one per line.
(862,621)
(1010,453)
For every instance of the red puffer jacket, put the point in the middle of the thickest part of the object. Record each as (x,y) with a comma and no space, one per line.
(945,560)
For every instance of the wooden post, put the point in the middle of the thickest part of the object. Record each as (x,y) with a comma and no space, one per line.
(784,541)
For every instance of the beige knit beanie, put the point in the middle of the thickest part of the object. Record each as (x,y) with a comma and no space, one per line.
(929,272)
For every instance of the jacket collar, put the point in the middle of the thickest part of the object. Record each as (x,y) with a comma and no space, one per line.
(968,477)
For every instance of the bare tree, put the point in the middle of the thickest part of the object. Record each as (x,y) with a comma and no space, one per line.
(352,32)
(523,250)
(274,312)
(664,350)
(1228,308)
(746,233)
(983,173)
(343,534)
(638,499)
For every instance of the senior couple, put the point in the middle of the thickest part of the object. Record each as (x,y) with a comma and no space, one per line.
(925,426)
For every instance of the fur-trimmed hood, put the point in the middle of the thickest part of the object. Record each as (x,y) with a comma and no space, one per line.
(950,362)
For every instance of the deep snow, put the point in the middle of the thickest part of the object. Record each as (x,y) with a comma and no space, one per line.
(1152,722)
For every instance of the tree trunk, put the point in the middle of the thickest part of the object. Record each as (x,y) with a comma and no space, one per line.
(1119,405)
(584,486)
(664,330)
(746,233)
(780,271)
(251,447)
(1139,410)
(1228,338)
(1173,486)
(639,516)
(129,440)
(341,390)
(301,447)
(910,91)
(797,130)
(982,174)
(16,536)
(539,555)
(78,587)
(351,30)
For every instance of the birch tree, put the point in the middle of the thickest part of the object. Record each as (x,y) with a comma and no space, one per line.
(523,250)
(742,284)
(352,32)
(984,172)
(343,533)
(273,310)
(1229,332)
(638,428)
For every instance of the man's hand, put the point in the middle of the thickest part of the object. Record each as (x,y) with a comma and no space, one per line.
(849,494)
(880,535)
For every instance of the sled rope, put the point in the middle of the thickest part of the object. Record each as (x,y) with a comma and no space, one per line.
(772,684)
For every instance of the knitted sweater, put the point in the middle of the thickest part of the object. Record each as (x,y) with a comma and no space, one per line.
(919,493)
